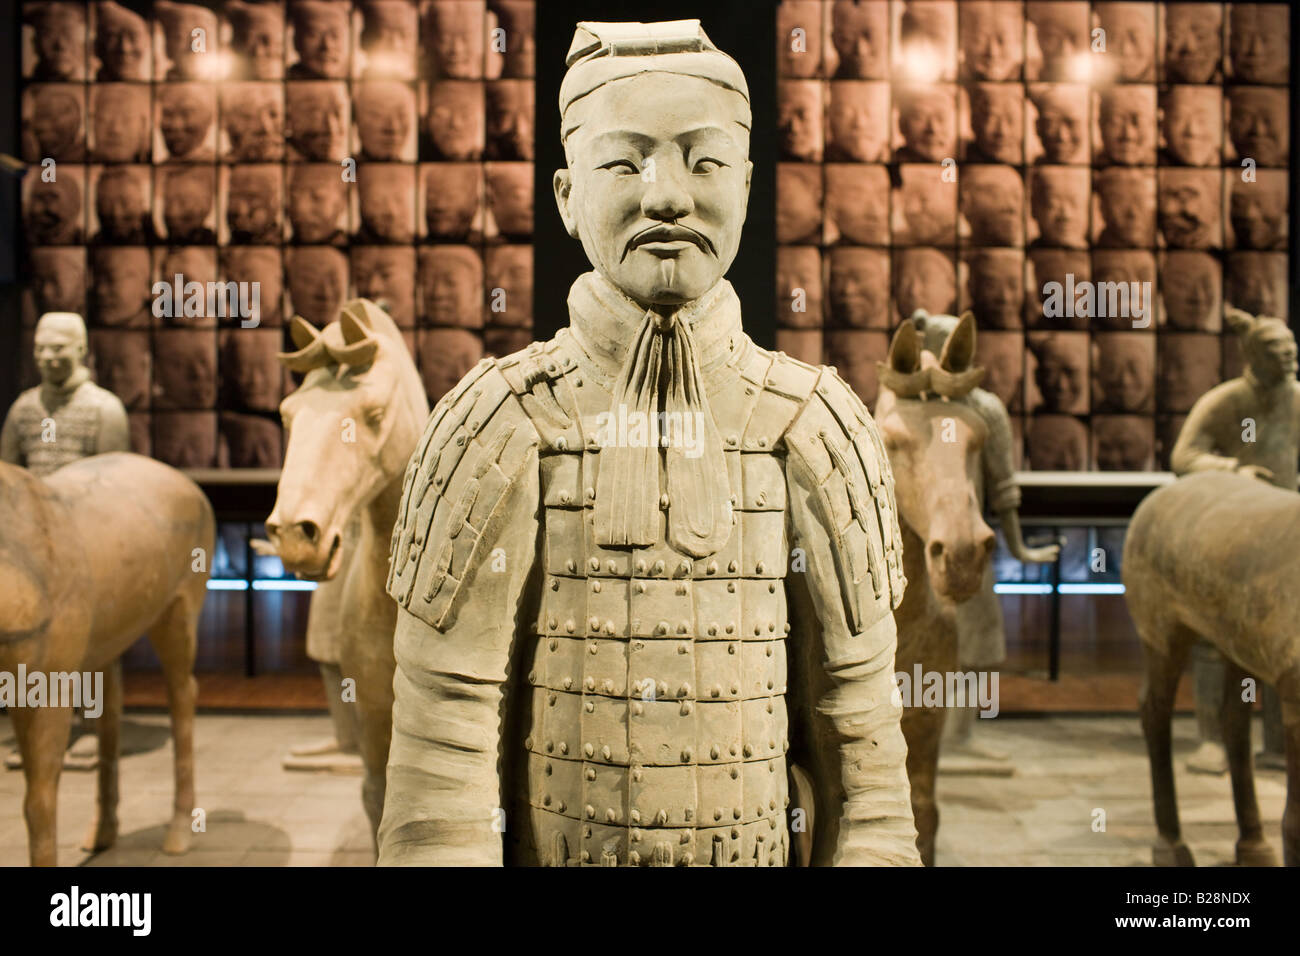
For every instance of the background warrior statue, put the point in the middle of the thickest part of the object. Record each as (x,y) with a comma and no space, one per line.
(639,564)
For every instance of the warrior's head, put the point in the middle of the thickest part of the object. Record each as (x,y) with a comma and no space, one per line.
(60,346)
(655,123)
(1269,345)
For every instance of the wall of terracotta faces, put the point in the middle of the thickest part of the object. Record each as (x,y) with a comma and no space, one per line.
(964,155)
(322,149)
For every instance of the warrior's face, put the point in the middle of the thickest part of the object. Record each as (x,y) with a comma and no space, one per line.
(60,348)
(657,183)
(1272,355)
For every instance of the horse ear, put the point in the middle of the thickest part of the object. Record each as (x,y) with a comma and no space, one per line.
(357,354)
(959,349)
(905,349)
(302,332)
(351,326)
(1238,321)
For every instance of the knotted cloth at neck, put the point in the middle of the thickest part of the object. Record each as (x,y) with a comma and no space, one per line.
(660,373)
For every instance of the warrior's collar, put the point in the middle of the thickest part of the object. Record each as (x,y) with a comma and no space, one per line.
(58,394)
(1268,394)
(604,322)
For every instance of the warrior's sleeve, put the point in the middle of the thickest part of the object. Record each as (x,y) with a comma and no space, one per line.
(114,432)
(1001,491)
(462,548)
(842,514)
(1196,448)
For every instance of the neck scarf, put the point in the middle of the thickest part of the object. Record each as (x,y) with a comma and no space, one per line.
(659,360)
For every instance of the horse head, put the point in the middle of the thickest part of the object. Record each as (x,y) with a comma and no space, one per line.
(351,425)
(934,441)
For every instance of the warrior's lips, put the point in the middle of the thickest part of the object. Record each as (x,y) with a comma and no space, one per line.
(667,241)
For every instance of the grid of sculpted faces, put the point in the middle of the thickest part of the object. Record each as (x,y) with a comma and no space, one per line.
(203,172)
(1095,181)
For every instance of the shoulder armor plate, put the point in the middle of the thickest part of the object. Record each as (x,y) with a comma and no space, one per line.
(474,452)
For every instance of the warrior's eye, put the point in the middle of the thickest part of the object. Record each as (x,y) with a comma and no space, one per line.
(622,167)
(707,165)
(374,415)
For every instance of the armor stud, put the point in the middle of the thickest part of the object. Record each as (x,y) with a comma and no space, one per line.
(590,773)
(591,811)
(570,626)
(686,755)
(564,747)
(589,750)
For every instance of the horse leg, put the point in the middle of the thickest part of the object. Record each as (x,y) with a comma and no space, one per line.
(103,826)
(922,728)
(1156,706)
(42,737)
(174,638)
(1291,815)
(1252,848)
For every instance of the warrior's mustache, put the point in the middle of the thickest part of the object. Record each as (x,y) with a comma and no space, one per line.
(669,232)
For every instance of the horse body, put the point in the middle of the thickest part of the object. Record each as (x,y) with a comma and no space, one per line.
(102,550)
(934,446)
(1212,556)
(352,424)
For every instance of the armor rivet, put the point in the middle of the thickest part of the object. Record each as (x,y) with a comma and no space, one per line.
(591,773)
(685,567)
(595,564)
(731,648)
(591,492)
(761,498)
(731,439)
(564,747)
(612,566)
(731,587)
(734,773)
(735,688)
(638,645)
(661,627)
(546,800)
(438,481)
(687,814)
(532,677)
(715,691)
(593,647)
(736,812)
(661,817)
(771,767)
(586,831)
(609,627)
(568,683)
(713,567)
(562,444)
(686,755)
(713,629)
(785,745)
(635,816)
(770,685)
(555,584)
(554,644)
(640,587)
(570,626)
(787,627)
(762,443)
(713,752)
(460,441)
(608,754)
(769,650)
(732,567)
(561,806)
(550,746)
(749,751)
(685,708)
(658,568)
(551,699)
(550,768)
(661,688)
(552,368)
(591,683)
(758,568)
(588,706)
(682,628)
(610,815)
(769,706)
(663,501)
(636,834)
(717,814)
(771,804)
(683,648)
(595,586)
(637,774)
(589,749)
(552,624)
(771,587)
(771,627)
(565,497)
(640,567)
(731,627)
(684,690)
(528,743)
(570,566)
(637,708)
(771,745)
(733,750)
(577,383)
(758,629)
(634,858)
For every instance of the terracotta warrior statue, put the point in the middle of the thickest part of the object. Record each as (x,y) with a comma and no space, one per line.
(1249,424)
(981,634)
(645,570)
(65,418)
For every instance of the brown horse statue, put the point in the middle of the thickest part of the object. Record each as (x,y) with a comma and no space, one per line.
(933,437)
(1213,556)
(352,426)
(99,552)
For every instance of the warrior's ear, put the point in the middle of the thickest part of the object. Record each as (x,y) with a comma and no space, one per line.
(959,349)
(905,349)
(563,186)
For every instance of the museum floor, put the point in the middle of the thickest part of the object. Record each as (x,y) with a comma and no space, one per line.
(1067,768)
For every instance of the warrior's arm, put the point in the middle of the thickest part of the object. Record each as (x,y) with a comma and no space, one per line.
(10,448)
(1196,448)
(1001,489)
(463,547)
(114,432)
(841,504)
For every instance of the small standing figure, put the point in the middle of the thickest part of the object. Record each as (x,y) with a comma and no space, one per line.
(1249,424)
